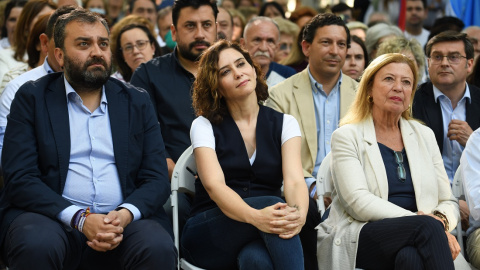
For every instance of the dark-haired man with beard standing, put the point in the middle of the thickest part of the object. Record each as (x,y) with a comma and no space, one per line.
(169,78)
(84,164)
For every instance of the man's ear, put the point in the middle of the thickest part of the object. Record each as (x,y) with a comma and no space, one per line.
(44,42)
(59,56)
(174,32)
(306,48)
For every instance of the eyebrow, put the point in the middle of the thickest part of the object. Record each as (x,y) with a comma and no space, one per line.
(90,38)
(233,62)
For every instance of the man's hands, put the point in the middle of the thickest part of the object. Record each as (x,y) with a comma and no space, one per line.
(105,232)
(459,131)
(281,219)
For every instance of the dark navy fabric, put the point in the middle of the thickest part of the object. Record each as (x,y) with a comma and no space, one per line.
(284,71)
(264,177)
(401,194)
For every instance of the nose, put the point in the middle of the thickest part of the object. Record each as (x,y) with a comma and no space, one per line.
(397,86)
(200,33)
(444,61)
(96,50)
(334,49)
(353,61)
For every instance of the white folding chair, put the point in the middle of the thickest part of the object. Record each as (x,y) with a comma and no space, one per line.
(457,190)
(183,180)
(324,183)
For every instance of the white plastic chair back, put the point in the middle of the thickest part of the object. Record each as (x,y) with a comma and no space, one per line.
(324,183)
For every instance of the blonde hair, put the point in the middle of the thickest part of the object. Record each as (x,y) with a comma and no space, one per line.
(361,107)
(287,27)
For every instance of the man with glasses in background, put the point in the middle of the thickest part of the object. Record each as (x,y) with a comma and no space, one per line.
(448,104)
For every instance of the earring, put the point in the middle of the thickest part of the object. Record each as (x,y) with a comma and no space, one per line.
(369,99)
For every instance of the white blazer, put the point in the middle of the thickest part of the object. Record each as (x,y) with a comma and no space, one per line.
(361,187)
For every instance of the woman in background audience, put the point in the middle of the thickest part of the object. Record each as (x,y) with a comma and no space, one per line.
(11,14)
(378,34)
(16,56)
(238,24)
(97,6)
(410,48)
(132,42)
(302,15)
(356,60)
(36,50)
(392,206)
(271,10)
(288,33)
(243,152)
(296,59)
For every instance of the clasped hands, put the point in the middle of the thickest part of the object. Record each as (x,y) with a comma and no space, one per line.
(105,232)
(452,241)
(281,219)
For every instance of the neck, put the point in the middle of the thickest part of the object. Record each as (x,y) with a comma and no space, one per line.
(414,29)
(244,110)
(454,93)
(190,66)
(328,82)
(90,97)
(54,66)
(385,121)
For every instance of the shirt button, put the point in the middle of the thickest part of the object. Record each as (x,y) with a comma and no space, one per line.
(93,159)
(338,241)
(93,138)
(245,189)
(350,219)
(328,121)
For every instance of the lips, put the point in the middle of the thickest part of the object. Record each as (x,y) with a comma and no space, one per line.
(243,83)
(396,99)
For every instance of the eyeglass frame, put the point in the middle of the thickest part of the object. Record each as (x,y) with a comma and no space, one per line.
(401,172)
(136,45)
(439,61)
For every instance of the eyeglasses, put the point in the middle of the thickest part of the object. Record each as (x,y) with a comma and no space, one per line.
(401,173)
(140,44)
(453,58)
(285,46)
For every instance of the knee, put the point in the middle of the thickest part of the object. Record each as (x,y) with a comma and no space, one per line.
(254,256)
(408,258)
(431,226)
(263,201)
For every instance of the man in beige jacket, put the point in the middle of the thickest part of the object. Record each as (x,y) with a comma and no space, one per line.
(317,97)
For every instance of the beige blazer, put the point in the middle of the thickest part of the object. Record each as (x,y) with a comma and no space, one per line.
(361,187)
(294,96)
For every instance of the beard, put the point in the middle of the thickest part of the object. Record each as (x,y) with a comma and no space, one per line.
(186,51)
(83,79)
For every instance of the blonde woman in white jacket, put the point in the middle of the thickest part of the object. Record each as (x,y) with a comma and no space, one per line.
(392,205)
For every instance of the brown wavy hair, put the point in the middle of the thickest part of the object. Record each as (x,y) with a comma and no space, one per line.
(207,101)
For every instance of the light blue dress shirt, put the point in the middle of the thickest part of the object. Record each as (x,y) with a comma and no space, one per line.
(327,116)
(92,178)
(452,150)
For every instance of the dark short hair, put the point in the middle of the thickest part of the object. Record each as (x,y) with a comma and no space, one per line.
(77,15)
(178,5)
(34,40)
(118,58)
(53,18)
(8,9)
(451,36)
(321,20)
(132,3)
(424,2)
(276,5)
(474,77)
(206,99)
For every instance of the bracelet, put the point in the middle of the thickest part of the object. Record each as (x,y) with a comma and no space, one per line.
(443,218)
(79,219)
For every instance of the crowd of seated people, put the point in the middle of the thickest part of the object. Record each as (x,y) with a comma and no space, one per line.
(392,105)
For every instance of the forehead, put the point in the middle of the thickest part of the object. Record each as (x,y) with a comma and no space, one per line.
(414,3)
(448,46)
(223,15)
(203,13)
(15,12)
(402,70)
(133,34)
(228,56)
(355,48)
(335,32)
(264,29)
(143,4)
(76,29)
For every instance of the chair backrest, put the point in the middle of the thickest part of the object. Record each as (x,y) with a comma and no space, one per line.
(183,176)
(324,182)
(457,185)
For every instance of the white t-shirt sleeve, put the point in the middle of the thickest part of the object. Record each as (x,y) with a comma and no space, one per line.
(201,133)
(290,128)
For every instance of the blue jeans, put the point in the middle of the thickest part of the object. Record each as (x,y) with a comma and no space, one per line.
(211,240)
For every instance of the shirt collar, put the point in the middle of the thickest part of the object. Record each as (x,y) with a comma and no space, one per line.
(437,93)
(71,92)
(47,67)
(316,86)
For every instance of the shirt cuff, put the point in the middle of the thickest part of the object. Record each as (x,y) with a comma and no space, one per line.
(67,214)
(133,209)
(310,181)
